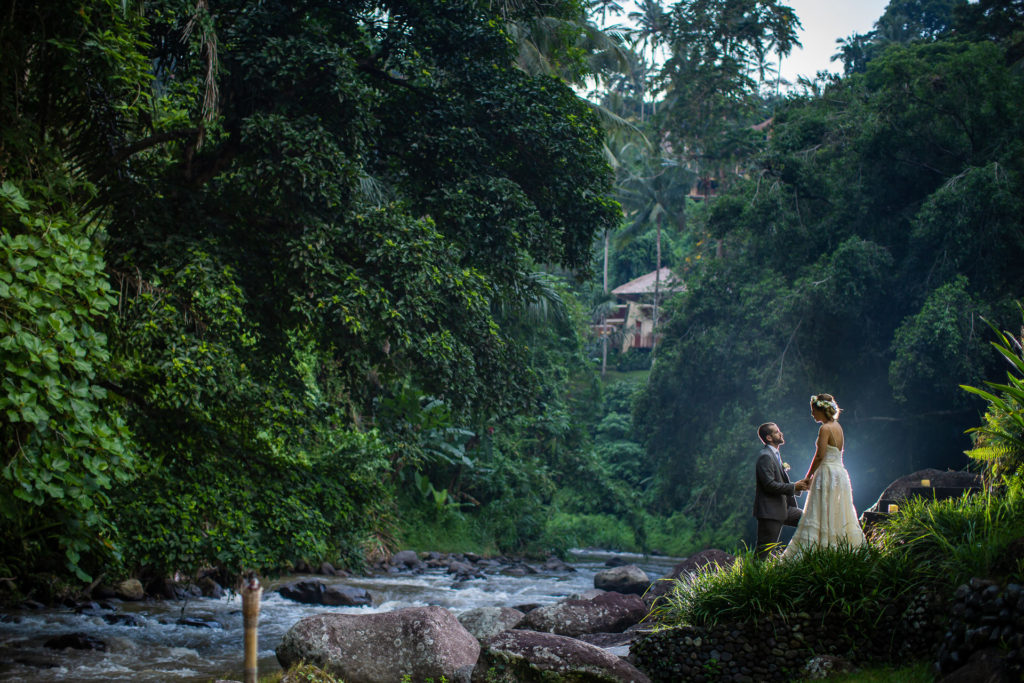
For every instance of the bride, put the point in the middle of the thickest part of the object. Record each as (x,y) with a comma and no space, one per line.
(829,517)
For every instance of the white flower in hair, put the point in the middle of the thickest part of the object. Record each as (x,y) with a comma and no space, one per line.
(822,403)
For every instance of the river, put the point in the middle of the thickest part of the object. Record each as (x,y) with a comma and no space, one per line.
(157,648)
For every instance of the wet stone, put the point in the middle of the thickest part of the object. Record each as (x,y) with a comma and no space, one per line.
(76,641)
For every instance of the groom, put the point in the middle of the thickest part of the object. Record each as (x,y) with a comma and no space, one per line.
(775,497)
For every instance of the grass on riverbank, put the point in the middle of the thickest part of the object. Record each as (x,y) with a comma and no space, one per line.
(919,672)
(925,547)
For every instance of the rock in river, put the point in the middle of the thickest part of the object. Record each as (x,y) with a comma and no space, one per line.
(314,592)
(607,613)
(531,657)
(487,622)
(421,642)
(625,579)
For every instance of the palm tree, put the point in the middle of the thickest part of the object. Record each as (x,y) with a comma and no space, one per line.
(652,25)
(651,188)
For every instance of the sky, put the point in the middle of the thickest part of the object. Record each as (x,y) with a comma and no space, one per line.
(824,21)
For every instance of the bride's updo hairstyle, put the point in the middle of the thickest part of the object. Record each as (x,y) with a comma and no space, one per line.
(826,403)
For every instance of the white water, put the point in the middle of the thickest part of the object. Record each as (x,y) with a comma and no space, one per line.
(162,650)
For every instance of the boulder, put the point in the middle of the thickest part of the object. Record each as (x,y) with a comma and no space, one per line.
(312,592)
(487,622)
(554,564)
(941,484)
(689,567)
(130,589)
(210,588)
(464,571)
(530,657)
(628,578)
(407,559)
(91,608)
(124,619)
(518,569)
(607,640)
(76,641)
(607,613)
(419,642)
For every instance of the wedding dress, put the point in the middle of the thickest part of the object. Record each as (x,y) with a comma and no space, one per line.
(829,517)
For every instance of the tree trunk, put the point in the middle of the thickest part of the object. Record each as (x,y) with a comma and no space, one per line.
(604,328)
(657,288)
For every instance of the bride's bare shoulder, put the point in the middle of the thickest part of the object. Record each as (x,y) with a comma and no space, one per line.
(837,435)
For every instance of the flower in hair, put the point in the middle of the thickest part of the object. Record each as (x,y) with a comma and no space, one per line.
(823,404)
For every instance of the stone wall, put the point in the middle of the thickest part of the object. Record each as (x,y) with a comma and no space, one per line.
(778,648)
(985,616)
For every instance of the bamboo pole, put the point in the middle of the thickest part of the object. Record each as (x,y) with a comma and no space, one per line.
(251,594)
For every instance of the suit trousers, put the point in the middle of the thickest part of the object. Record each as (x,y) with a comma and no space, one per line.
(769,530)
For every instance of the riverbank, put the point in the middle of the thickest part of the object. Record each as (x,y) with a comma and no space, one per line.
(147,643)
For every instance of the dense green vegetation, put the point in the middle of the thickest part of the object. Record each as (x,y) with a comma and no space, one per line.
(879,224)
(269,264)
(314,280)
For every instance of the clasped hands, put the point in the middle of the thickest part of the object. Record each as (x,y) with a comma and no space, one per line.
(803,485)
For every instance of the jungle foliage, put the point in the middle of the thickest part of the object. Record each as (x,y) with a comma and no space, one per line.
(263,259)
(306,280)
(879,224)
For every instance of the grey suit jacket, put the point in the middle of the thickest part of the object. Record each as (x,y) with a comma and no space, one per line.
(775,494)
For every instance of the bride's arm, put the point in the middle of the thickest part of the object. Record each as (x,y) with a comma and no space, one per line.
(819,452)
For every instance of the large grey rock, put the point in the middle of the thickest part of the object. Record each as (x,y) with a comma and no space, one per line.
(628,578)
(130,589)
(607,613)
(407,559)
(421,642)
(942,483)
(312,592)
(530,657)
(486,622)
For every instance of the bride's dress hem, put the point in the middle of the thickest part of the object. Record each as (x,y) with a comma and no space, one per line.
(829,518)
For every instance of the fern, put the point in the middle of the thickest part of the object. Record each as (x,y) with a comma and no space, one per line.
(999,441)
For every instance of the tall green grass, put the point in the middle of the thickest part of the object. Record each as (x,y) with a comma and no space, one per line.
(952,540)
(926,546)
(854,582)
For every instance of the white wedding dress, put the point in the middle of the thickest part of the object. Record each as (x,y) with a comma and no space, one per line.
(829,517)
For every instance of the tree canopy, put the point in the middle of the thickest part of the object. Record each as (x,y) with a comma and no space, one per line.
(285,212)
(880,223)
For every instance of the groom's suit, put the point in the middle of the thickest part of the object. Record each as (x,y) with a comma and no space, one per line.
(774,500)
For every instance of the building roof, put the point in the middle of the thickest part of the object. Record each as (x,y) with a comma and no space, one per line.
(645,284)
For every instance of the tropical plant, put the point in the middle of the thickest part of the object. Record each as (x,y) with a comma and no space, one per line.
(999,442)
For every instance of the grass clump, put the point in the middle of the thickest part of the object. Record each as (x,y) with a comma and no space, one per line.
(301,673)
(950,541)
(857,583)
(919,672)
(927,546)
